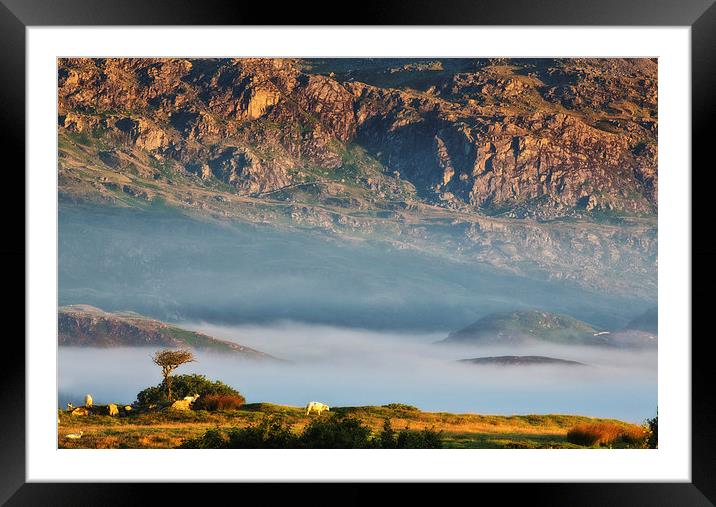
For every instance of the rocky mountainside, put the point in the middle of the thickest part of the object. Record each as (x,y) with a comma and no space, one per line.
(419,152)
(564,134)
(86,326)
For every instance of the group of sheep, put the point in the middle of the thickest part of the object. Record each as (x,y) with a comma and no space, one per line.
(111,409)
(184,404)
(89,408)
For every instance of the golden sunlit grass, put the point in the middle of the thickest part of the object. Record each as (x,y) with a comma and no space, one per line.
(168,429)
(605,433)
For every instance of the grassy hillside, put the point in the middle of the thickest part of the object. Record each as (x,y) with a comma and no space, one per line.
(532,325)
(168,429)
(87,326)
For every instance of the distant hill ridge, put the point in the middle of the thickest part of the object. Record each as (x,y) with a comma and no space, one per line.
(87,326)
(530,326)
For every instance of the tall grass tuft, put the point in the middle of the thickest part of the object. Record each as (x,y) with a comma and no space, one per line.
(605,433)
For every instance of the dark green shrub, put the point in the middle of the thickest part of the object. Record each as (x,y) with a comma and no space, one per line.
(185,385)
(427,438)
(151,395)
(270,433)
(211,439)
(328,432)
(652,439)
(339,432)
(386,439)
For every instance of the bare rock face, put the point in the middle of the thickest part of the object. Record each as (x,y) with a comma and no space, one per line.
(499,142)
(555,135)
(245,171)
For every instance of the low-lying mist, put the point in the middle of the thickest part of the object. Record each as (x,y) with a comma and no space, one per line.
(348,367)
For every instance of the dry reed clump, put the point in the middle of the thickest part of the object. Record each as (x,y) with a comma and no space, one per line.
(600,434)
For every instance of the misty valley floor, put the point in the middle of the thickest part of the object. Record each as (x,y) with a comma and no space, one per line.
(358,368)
(168,429)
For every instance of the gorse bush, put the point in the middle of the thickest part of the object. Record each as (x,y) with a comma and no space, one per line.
(652,439)
(185,385)
(605,433)
(213,402)
(337,432)
(402,407)
(270,433)
(341,432)
(211,439)
(427,438)
(386,439)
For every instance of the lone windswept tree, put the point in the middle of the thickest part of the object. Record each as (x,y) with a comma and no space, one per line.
(169,360)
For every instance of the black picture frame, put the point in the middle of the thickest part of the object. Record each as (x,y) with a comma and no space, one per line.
(700,15)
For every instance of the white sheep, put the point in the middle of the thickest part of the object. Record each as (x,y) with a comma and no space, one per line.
(75,435)
(88,401)
(317,407)
(191,399)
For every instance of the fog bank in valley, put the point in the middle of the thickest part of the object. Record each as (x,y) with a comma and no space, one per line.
(347,367)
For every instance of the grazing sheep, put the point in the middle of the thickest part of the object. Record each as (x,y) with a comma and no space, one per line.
(181,405)
(75,435)
(112,409)
(317,407)
(88,401)
(80,411)
(184,404)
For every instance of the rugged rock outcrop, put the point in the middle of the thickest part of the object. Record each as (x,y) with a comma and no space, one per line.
(545,137)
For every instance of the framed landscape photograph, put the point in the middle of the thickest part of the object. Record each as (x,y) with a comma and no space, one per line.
(361,253)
